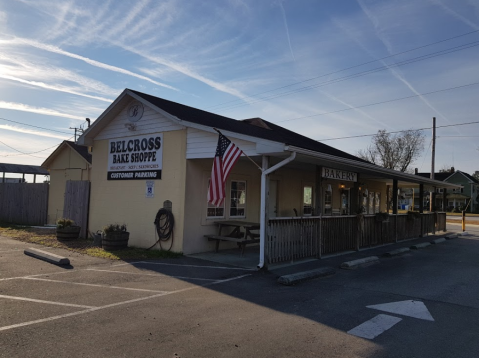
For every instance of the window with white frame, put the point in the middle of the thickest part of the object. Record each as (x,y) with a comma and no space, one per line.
(238,199)
(213,212)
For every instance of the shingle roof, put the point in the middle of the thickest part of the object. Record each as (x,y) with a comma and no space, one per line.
(247,127)
(22,169)
(444,175)
(80,149)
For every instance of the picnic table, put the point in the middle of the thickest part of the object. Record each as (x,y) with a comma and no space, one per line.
(241,232)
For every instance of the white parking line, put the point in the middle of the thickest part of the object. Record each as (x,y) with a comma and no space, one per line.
(92,285)
(5,328)
(199,266)
(151,274)
(43,301)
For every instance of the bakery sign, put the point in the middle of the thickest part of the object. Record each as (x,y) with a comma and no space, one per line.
(337,174)
(136,158)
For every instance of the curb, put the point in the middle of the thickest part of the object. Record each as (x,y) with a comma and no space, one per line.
(420,246)
(464,233)
(397,252)
(350,265)
(47,256)
(438,241)
(452,236)
(294,278)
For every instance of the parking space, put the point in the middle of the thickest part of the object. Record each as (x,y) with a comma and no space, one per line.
(33,291)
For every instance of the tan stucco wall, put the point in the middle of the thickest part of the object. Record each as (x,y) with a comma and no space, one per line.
(196,224)
(125,202)
(67,165)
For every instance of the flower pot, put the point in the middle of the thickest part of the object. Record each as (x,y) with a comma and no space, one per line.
(68,233)
(115,241)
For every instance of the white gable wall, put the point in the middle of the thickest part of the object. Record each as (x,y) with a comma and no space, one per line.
(151,122)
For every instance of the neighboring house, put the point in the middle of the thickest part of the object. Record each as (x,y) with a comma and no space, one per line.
(69,161)
(459,197)
(148,153)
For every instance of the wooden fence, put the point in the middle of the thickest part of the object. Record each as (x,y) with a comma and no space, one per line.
(290,239)
(24,203)
(76,203)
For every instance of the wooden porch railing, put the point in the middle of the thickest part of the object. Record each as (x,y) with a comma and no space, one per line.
(290,239)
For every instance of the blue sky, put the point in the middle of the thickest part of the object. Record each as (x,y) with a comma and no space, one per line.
(321,68)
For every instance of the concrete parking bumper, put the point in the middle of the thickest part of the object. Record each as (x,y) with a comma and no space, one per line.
(351,265)
(294,278)
(47,256)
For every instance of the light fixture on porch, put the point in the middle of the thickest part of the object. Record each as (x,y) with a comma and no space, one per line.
(341,186)
(329,188)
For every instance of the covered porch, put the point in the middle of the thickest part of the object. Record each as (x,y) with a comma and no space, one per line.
(349,206)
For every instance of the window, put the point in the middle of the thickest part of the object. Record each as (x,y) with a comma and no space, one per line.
(371,203)
(214,212)
(377,202)
(238,199)
(328,199)
(307,200)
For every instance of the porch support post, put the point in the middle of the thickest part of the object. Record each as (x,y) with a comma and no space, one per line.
(319,191)
(395,197)
(421,203)
(421,198)
(264,177)
(388,199)
(354,197)
(444,199)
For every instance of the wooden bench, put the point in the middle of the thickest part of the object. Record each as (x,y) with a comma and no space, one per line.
(241,241)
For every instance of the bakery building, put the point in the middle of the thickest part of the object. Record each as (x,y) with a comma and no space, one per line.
(149,153)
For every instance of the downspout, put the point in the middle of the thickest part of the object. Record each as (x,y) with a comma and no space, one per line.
(262,228)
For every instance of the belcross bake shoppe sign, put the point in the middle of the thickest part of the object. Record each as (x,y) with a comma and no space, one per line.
(136,158)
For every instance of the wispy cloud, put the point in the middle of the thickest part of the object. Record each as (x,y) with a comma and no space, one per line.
(33,132)
(53,87)
(39,110)
(280,3)
(455,14)
(57,50)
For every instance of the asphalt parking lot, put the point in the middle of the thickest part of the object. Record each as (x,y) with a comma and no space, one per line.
(420,304)
(33,291)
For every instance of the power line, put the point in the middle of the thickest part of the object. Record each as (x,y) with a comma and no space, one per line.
(30,125)
(382,102)
(348,68)
(404,130)
(30,154)
(359,74)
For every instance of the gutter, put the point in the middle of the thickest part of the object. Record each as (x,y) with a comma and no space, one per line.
(262,227)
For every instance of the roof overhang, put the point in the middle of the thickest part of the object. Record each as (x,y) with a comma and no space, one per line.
(368,171)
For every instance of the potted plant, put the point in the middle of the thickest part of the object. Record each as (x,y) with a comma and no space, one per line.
(382,217)
(67,230)
(115,237)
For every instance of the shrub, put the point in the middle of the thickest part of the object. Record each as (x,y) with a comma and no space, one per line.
(64,222)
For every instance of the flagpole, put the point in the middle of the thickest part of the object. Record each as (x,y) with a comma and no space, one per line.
(243,153)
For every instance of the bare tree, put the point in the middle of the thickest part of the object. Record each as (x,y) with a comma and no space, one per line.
(394,151)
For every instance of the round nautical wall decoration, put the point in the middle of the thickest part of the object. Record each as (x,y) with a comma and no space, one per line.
(135,111)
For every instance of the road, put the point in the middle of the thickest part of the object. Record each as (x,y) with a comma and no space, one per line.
(421,304)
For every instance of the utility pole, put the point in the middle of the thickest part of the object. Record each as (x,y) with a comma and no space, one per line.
(433,155)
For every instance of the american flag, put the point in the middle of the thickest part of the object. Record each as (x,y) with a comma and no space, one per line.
(225,158)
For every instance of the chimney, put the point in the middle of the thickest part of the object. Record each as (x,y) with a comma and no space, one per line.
(415,171)
(88,120)
(452,170)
